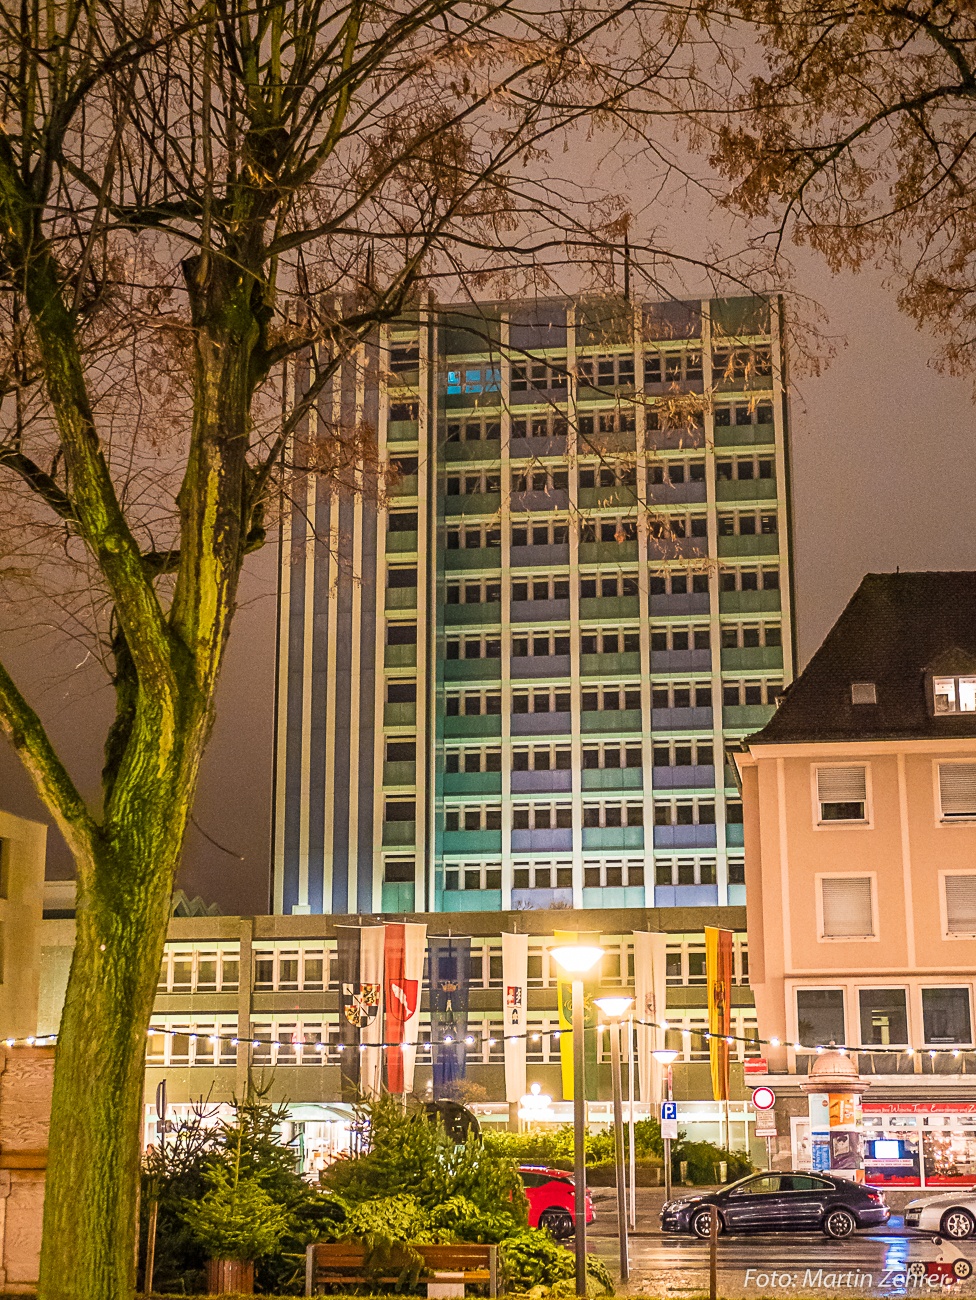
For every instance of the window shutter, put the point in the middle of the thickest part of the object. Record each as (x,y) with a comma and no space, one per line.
(957,788)
(847,911)
(841,784)
(961,904)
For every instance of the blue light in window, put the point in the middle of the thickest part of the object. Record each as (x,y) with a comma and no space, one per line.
(453,383)
(472,380)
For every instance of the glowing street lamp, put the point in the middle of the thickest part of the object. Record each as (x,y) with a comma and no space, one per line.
(576,960)
(615,1008)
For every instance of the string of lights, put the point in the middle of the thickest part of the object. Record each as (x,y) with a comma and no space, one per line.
(703,1035)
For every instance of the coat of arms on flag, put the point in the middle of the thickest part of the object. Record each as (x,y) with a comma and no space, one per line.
(361,1002)
(401,999)
(513,1001)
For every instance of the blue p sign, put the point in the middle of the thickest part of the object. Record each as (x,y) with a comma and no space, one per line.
(669,1110)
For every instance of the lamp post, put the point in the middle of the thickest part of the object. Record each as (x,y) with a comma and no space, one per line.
(666,1057)
(576,960)
(615,1009)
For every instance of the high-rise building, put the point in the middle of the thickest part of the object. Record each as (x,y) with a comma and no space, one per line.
(511,680)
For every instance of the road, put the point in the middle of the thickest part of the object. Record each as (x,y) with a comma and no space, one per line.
(775,1264)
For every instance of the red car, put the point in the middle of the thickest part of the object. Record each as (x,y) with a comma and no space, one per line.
(551,1195)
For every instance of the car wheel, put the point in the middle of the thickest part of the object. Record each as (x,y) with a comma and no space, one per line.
(957,1223)
(558,1223)
(701,1223)
(838,1223)
(962,1269)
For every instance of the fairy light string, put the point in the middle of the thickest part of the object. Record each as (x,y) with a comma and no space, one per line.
(530,1035)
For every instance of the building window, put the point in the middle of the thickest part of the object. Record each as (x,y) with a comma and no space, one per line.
(473,760)
(735,694)
(672,367)
(400,810)
(842,794)
(744,468)
(402,577)
(474,379)
(541,426)
(864,693)
(472,704)
(730,414)
(538,375)
(613,814)
(540,532)
(946,1016)
(847,904)
(667,526)
(737,870)
(474,876)
(749,580)
(612,874)
(542,875)
(473,431)
(960,901)
(680,638)
(608,586)
(820,1017)
(404,357)
(735,365)
(748,636)
(402,521)
(697,695)
(954,694)
(747,524)
(401,634)
(611,529)
(401,751)
(473,593)
(884,1017)
(399,871)
(678,582)
(476,483)
(609,699)
(611,756)
(401,693)
(677,471)
(540,480)
(607,371)
(545,758)
(684,871)
(473,817)
(540,587)
(473,647)
(542,817)
(540,644)
(610,421)
(544,700)
(684,812)
(957,791)
(473,538)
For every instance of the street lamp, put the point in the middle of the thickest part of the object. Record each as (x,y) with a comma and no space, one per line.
(615,1009)
(666,1056)
(576,960)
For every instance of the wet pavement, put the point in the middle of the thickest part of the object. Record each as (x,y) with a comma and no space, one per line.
(887,1261)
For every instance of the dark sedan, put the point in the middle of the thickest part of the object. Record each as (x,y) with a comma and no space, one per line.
(781,1202)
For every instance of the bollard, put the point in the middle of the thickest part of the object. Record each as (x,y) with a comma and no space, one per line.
(713,1253)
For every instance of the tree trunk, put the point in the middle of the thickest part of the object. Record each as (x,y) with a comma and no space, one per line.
(96,1116)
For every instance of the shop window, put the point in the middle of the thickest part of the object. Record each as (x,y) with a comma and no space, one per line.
(847,907)
(820,1017)
(884,1017)
(946,1016)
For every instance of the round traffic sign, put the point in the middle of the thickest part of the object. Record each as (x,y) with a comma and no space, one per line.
(764,1099)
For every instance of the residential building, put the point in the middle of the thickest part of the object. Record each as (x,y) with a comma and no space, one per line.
(512,682)
(860,839)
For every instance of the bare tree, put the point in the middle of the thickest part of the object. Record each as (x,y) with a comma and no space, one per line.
(859,139)
(192,196)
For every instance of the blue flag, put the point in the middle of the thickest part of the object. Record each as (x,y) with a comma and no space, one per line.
(449,980)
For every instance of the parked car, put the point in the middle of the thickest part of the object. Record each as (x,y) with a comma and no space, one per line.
(551,1195)
(951,1213)
(793,1201)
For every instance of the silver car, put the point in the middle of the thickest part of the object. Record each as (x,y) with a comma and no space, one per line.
(953,1214)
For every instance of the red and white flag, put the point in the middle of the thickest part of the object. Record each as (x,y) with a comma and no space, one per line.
(404,946)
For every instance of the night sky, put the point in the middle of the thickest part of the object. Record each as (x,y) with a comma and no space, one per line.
(884,476)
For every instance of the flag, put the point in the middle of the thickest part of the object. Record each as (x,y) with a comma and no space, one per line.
(718,975)
(515,983)
(650,1003)
(360,953)
(564,992)
(404,971)
(449,980)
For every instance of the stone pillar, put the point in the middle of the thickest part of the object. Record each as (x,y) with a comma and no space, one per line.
(834,1090)
(26,1079)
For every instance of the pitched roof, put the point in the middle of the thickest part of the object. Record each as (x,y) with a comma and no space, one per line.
(896,631)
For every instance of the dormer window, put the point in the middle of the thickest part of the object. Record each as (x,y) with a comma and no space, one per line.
(863,693)
(954,694)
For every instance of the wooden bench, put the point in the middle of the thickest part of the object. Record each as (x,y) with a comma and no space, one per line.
(331,1262)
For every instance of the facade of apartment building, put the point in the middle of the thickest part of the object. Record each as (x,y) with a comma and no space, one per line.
(860,839)
(512,683)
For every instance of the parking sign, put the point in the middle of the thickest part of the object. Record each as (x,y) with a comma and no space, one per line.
(669,1120)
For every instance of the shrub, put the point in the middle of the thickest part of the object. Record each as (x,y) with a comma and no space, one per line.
(532,1259)
(237,1218)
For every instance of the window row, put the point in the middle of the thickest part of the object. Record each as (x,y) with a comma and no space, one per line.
(189,969)
(747,523)
(608,756)
(744,468)
(748,580)
(728,414)
(750,693)
(842,792)
(473,430)
(472,379)
(683,753)
(747,636)
(684,812)
(192,1042)
(694,695)
(847,905)
(880,1017)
